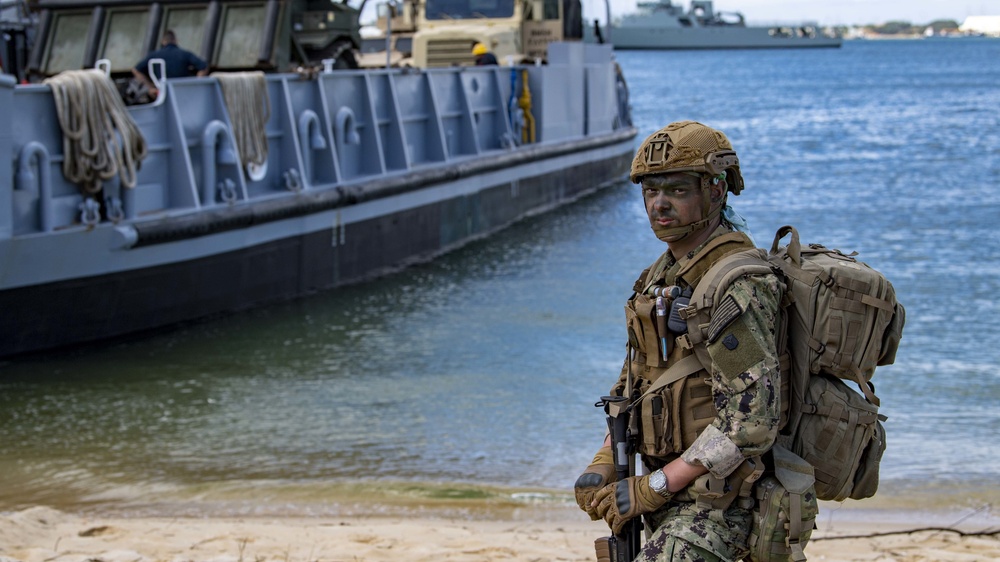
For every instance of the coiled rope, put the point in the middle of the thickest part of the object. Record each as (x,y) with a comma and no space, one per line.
(100,139)
(249,106)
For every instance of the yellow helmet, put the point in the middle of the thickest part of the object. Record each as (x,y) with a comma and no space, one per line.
(479,49)
(688,146)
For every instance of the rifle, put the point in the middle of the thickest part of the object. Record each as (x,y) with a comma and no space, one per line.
(623,547)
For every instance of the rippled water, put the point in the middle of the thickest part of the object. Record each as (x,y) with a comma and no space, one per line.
(475,375)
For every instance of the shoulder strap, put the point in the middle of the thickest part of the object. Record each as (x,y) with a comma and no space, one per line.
(716,280)
(727,254)
(709,291)
(689,365)
(714,250)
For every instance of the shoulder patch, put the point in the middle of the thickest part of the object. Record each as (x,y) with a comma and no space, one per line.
(725,314)
(737,350)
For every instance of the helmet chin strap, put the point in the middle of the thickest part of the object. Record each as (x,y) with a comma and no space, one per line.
(676,233)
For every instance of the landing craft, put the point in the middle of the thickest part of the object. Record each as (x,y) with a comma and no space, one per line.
(355,172)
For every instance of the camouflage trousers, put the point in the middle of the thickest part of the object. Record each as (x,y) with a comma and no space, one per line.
(684,532)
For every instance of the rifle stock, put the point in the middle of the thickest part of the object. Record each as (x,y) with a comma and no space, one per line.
(623,547)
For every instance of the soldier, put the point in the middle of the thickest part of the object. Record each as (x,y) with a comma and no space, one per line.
(700,437)
(178,63)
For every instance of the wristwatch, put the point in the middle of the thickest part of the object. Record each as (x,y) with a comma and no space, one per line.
(658,483)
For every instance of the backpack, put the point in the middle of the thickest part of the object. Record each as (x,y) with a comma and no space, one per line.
(840,320)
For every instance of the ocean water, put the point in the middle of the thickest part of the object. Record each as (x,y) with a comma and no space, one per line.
(471,380)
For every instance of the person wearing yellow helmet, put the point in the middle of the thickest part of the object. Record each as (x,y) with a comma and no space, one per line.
(483,55)
(700,432)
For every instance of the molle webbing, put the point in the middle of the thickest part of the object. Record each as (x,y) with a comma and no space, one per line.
(683,368)
(844,307)
(677,402)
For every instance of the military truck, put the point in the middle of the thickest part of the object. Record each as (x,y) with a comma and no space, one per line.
(269,35)
(327,30)
(515,31)
(393,31)
(437,33)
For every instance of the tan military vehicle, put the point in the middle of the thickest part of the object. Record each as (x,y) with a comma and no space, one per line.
(437,33)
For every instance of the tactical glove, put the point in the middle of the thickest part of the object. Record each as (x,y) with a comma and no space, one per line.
(621,501)
(599,474)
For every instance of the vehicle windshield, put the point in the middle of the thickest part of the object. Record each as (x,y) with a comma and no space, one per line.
(469,9)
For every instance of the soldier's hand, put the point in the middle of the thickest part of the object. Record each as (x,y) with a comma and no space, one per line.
(623,500)
(599,474)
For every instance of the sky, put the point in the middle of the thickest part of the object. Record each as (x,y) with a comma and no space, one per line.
(826,12)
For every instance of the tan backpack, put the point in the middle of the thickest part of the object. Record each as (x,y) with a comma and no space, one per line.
(841,319)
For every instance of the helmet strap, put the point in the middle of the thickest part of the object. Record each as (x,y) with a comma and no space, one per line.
(676,233)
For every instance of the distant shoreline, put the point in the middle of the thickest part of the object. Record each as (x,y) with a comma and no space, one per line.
(919,37)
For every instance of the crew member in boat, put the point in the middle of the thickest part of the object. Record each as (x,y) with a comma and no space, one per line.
(483,55)
(178,62)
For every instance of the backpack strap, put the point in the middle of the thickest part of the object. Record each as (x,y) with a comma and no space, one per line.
(695,267)
(710,291)
(714,283)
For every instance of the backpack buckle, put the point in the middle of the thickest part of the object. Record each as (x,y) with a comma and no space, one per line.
(683,342)
(687,311)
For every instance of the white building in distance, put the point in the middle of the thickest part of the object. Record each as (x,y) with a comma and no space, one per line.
(987,25)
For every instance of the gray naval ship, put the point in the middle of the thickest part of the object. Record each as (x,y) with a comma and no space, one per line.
(364,171)
(665,25)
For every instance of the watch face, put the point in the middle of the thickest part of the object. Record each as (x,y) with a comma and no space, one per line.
(657,481)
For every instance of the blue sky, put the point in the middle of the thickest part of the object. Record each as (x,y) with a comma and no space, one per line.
(827,12)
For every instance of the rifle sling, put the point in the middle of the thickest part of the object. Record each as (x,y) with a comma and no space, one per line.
(687,366)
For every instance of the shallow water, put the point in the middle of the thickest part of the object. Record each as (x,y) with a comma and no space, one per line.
(474,376)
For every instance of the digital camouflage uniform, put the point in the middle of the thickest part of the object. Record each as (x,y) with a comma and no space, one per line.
(744,382)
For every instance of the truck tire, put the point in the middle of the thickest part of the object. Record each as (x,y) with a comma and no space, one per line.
(342,53)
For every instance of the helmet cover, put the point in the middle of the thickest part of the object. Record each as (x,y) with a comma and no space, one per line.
(688,146)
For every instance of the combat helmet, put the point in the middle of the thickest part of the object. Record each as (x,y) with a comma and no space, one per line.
(688,146)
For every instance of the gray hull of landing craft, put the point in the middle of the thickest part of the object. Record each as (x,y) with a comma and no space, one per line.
(367,171)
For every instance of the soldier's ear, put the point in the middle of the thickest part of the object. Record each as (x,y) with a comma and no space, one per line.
(717,191)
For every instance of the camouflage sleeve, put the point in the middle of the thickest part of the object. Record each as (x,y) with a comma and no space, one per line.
(741,342)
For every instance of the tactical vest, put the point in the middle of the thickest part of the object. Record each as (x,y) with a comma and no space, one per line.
(663,367)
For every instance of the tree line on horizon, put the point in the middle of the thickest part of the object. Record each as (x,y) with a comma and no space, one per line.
(907,28)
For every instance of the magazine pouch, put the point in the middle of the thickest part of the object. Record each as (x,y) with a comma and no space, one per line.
(786,510)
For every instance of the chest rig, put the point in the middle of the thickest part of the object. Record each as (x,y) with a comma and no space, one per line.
(663,372)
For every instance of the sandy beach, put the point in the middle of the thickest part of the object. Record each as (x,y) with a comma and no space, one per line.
(42,534)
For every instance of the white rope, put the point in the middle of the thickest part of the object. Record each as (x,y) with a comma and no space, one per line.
(249,106)
(100,139)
